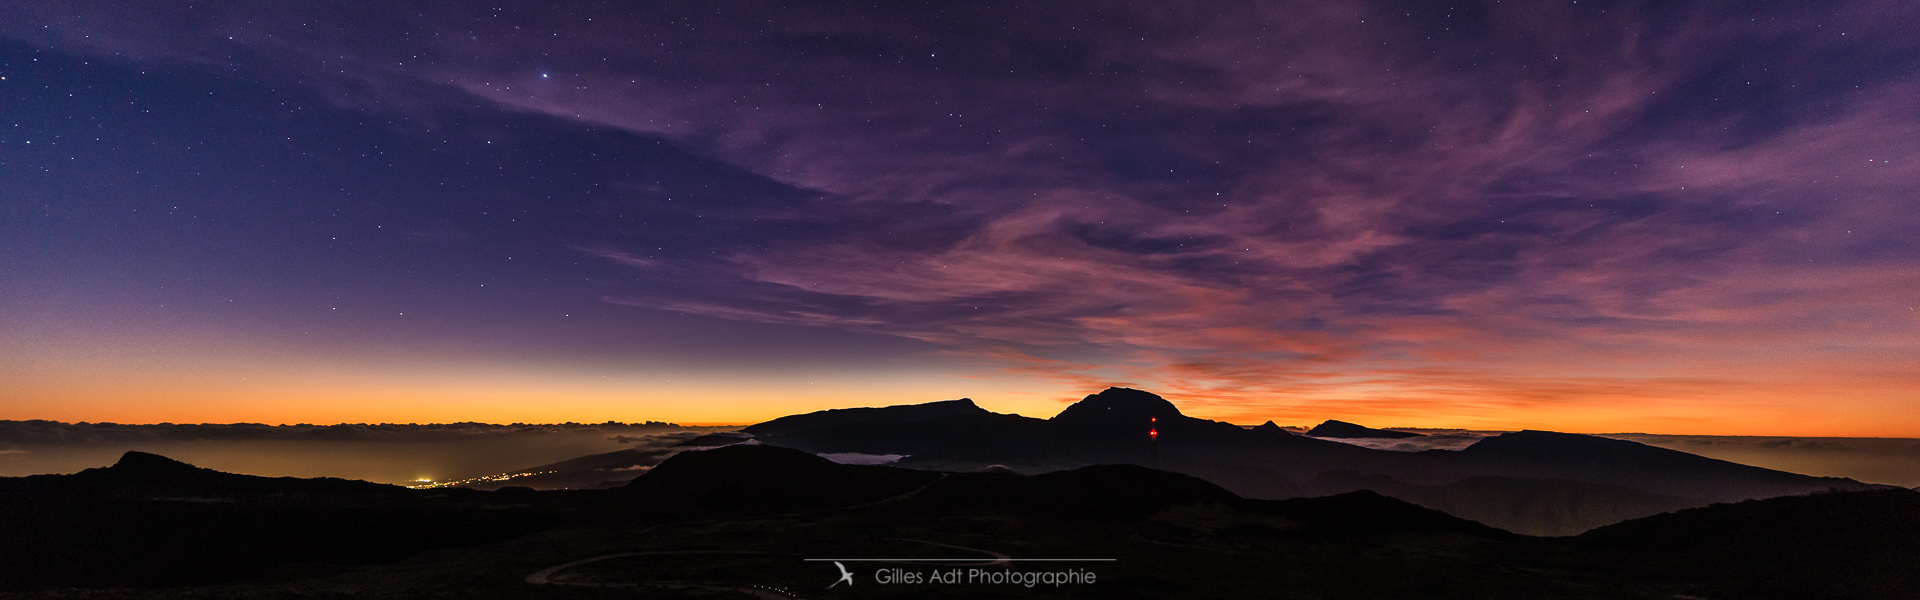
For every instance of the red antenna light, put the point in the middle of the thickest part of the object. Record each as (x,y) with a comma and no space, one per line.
(1153,437)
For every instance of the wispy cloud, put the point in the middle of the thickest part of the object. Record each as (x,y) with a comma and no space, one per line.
(620,257)
(1285,208)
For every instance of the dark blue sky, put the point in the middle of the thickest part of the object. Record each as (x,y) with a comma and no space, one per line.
(1583,215)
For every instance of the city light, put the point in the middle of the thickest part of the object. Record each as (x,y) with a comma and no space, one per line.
(427,484)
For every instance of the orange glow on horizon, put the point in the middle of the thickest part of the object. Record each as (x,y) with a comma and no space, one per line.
(710,401)
(134,383)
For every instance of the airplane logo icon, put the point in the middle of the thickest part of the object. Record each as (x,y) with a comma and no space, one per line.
(846,576)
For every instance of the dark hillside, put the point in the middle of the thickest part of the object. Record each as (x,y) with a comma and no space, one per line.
(1851,545)
(753,479)
(152,521)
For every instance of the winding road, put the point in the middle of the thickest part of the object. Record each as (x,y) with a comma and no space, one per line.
(545,576)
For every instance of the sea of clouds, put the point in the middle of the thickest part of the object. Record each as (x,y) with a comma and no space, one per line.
(1891,461)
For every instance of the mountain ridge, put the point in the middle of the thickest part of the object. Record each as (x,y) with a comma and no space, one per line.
(840,416)
(1342,429)
(1569,474)
(742,501)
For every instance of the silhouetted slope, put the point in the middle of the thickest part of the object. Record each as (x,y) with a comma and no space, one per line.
(606,460)
(1183,536)
(953,435)
(1345,430)
(1105,428)
(1549,455)
(607,469)
(1118,407)
(715,439)
(756,479)
(143,475)
(1125,414)
(1095,492)
(1368,513)
(847,416)
(1270,426)
(1837,545)
(149,520)
(1111,427)
(1540,506)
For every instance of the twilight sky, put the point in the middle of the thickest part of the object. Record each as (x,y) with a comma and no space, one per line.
(1669,217)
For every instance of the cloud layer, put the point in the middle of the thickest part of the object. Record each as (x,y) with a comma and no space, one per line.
(1605,212)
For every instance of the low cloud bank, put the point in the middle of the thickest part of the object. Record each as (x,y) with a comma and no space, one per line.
(1431,439)
(1891,461)
(856,458)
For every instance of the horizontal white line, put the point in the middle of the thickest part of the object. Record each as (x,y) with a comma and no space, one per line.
(976,559)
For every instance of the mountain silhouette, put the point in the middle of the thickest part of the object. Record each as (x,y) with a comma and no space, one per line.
(755,479)
(1592,459)
(751,508)
(1269,426)
(152,520)
(1543,507)
(716,439)
(1118,408)
(144,475)
(607,469)
(1574,482)
(1345,430)
(847,416)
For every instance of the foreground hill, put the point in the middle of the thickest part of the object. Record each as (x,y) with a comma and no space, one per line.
(735,521)
(1835,545)
(752,479)
(1535,482)
(142,475)
(150,520)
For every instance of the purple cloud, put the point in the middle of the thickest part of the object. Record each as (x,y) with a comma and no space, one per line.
(1399,206)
